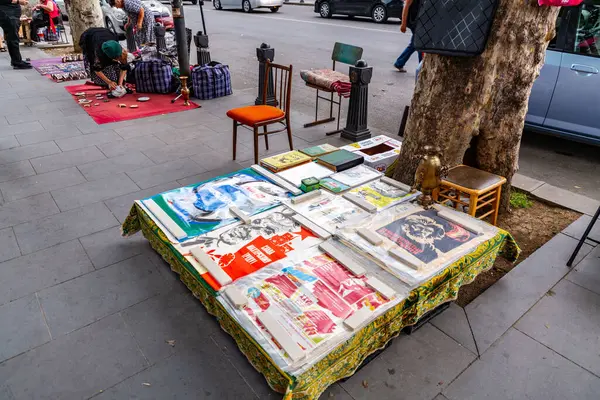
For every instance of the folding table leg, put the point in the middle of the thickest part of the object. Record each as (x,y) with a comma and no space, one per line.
(582,240)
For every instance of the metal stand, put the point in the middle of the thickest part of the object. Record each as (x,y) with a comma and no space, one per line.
(356,124)
(264,53)
(201,40)
(130,38)
(582,240)
(182,51)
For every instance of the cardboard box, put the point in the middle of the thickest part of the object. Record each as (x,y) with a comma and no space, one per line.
(379,152)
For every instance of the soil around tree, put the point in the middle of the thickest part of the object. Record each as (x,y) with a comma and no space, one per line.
(531,227)
(59,52)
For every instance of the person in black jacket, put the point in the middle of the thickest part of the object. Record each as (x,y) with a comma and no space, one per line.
(409,17)
(10,21)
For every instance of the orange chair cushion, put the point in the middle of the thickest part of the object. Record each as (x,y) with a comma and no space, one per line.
(252,115)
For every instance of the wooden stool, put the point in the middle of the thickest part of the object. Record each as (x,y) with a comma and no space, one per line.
(482,188)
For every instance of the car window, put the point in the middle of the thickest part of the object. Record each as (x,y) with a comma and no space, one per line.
(560,21)
(587,38)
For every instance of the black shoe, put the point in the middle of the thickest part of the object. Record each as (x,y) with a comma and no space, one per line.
(21,65)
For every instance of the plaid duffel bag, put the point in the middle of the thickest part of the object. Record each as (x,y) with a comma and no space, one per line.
(153,76)
(210,82)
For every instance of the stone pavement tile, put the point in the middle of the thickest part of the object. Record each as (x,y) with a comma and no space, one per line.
(230,167)
(92,139)
(335,392)
(55,105)
(19,169)
(587,272)
(9,247)
(440,397)
(27,209)
(453,322)
(27,274)
(121,205)
(567,321)
(108,247)
(526,183)
(67,159)
(115,165)
(6,130)
(521,288)
(143,129)
(19,118)
(24,327)
(8,142)
(577,229)
(36,184)
(60,228)
(88,298)
(55,132)
(167,172)
(126,146)
(417,366)
(179,135)
(194,373)
(175,316)
(93,191)
(214,161)
(232,353)
(89,126)
(74,366)
(177,151)
(25,152)
(567,199)
(518,367)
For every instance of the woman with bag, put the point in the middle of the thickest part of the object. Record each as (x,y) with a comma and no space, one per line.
(105,61)
(142,18)
(46,13)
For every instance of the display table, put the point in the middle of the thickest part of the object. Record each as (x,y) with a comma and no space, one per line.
(346,358)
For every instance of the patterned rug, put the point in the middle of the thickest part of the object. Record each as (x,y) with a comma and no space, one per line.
(58,71)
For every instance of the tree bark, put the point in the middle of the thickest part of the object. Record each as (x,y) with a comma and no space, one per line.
(479,103)
(83,14)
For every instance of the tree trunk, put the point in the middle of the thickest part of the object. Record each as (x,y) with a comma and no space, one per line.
(83,14)
(479,103)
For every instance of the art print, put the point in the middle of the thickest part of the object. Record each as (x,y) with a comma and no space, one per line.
(202,207)
(381,194)
(356,176)
(426,235)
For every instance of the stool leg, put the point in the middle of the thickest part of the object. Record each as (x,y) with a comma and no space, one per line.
(266,137)
(234,138)
(497,205)
(473,205)
(256,145)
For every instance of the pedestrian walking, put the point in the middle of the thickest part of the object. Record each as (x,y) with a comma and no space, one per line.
(409,18)
(142,18)
(10,21)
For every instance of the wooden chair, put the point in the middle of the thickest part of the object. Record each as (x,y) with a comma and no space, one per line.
(345,54)
(255,117)
(483,189)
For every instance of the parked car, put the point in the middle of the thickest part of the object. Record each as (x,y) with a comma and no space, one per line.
(565,97)
(378,10)
(248,5)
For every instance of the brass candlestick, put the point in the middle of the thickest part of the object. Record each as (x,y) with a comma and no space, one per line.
(185,92)
(429,175)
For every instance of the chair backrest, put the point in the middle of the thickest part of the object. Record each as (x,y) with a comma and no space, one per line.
(281,76)
(346,53)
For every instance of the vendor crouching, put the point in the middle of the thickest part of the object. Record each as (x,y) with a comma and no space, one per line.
(105,61)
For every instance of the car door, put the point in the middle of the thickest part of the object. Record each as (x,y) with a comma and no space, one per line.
(543,88)
(574,105)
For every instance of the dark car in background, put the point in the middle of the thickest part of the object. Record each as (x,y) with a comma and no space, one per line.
(378,10)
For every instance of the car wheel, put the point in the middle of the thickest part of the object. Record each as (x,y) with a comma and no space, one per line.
(325,9)
(246,6)
(110,26)
(194,2)
(274,9)
(217,4)
(379,14)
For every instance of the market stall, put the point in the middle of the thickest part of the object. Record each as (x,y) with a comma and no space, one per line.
(309,286)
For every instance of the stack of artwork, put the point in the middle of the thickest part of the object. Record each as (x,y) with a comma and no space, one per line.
(302,273)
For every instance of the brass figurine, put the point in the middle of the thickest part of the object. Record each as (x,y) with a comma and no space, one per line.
(429,175)
(185,92)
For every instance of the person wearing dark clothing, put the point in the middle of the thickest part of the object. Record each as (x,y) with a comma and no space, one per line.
(409,17)
(10,21)
(105,61)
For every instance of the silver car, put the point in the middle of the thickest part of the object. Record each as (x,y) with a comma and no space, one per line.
(114,19)
(248,5)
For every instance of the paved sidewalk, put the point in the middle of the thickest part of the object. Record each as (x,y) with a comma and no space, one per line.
(85,313)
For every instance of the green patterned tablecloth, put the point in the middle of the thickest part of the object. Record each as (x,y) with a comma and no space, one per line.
(346,358)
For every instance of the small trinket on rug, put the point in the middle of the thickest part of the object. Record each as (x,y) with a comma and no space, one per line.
(133,106)
(86,105)
(106,100)
(123,105)
(96,104)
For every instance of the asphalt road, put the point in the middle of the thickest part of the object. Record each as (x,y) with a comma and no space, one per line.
(303,39)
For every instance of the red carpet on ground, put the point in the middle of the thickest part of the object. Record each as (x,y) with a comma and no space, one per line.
(108,112)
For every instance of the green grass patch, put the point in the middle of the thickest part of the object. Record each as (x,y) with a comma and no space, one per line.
(520,200)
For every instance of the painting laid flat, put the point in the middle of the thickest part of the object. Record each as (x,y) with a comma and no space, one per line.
(241,249)
(381,194)
(310,296)
(356,176)
(203,207)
